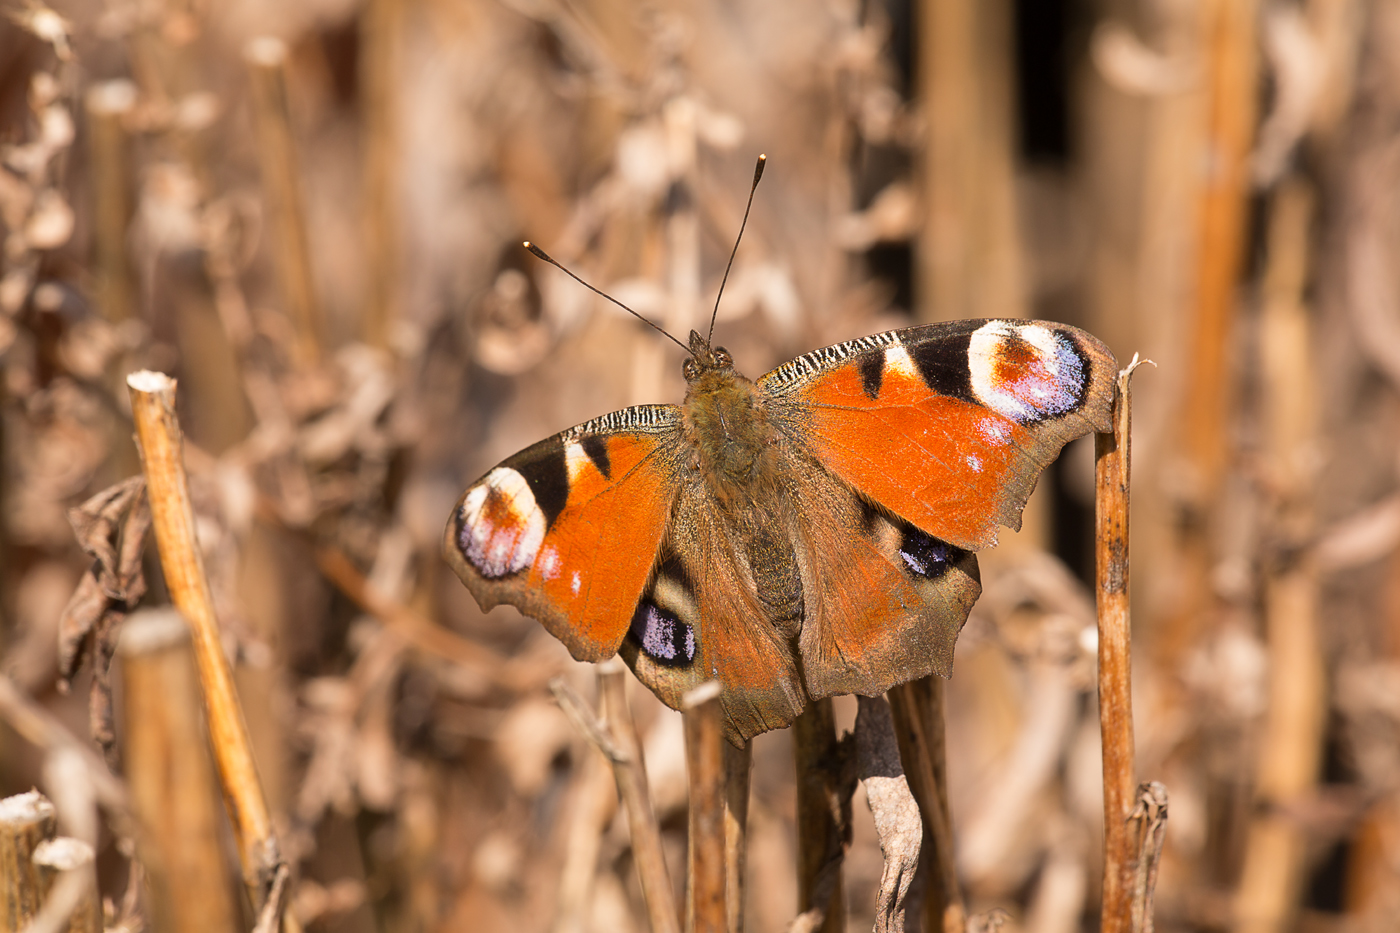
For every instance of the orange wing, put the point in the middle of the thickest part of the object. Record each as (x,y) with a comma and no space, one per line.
(948,425)
(568,530)
(908,449)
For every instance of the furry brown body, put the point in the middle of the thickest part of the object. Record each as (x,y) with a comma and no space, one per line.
(735,449)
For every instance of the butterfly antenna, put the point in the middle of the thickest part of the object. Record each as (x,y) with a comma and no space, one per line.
(757,174)
(550,259)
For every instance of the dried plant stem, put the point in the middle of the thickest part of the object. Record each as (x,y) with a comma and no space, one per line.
(917,708)
(970,263)
(707,911)
(267,65)
(108,105)
(1112,456)
(593,806)
(1290,754)
(629,769)
(25,821)
(819,843)
(171,779)
(738,768)
(159,437)
(1229,40)
(381,37)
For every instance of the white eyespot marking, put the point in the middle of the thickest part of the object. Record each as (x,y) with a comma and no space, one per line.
(994,430)
(974,463)
(897,360)
(502,527)
(576,584)
(1025,371)
(549,563)
(575,460)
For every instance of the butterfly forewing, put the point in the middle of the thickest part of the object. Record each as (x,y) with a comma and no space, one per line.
(948,425)
(568,530)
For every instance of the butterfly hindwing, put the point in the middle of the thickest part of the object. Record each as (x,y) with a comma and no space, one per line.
(702,618)
(886,601)
(568,530)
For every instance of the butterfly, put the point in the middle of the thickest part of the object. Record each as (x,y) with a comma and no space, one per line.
(808,534)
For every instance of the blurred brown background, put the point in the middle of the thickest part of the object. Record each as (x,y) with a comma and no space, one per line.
(309,212)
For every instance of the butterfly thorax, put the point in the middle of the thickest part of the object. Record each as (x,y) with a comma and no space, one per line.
(729,432)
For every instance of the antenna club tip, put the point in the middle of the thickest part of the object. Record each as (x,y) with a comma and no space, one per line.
(758,168)
(763,157)
(527,245)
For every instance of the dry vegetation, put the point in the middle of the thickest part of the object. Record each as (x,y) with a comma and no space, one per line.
(310,214)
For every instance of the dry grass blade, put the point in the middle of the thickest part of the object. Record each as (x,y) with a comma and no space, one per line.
(159,436)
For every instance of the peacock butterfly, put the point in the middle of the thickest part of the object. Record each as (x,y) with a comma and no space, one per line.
(808,534)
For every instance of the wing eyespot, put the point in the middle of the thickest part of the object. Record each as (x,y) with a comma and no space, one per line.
(662,636)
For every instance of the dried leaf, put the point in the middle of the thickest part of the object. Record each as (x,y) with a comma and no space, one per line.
(83,611)
(111,527)
(98,522)
(897,819)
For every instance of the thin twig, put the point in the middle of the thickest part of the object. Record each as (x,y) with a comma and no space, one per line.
(412,627)
(593,728)
(160,439)
(41,728)
(382,27)
(1112,458)
(704,759)
(1294,731)
(593,806)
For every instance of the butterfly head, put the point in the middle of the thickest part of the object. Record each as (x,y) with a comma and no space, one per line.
(704,359)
